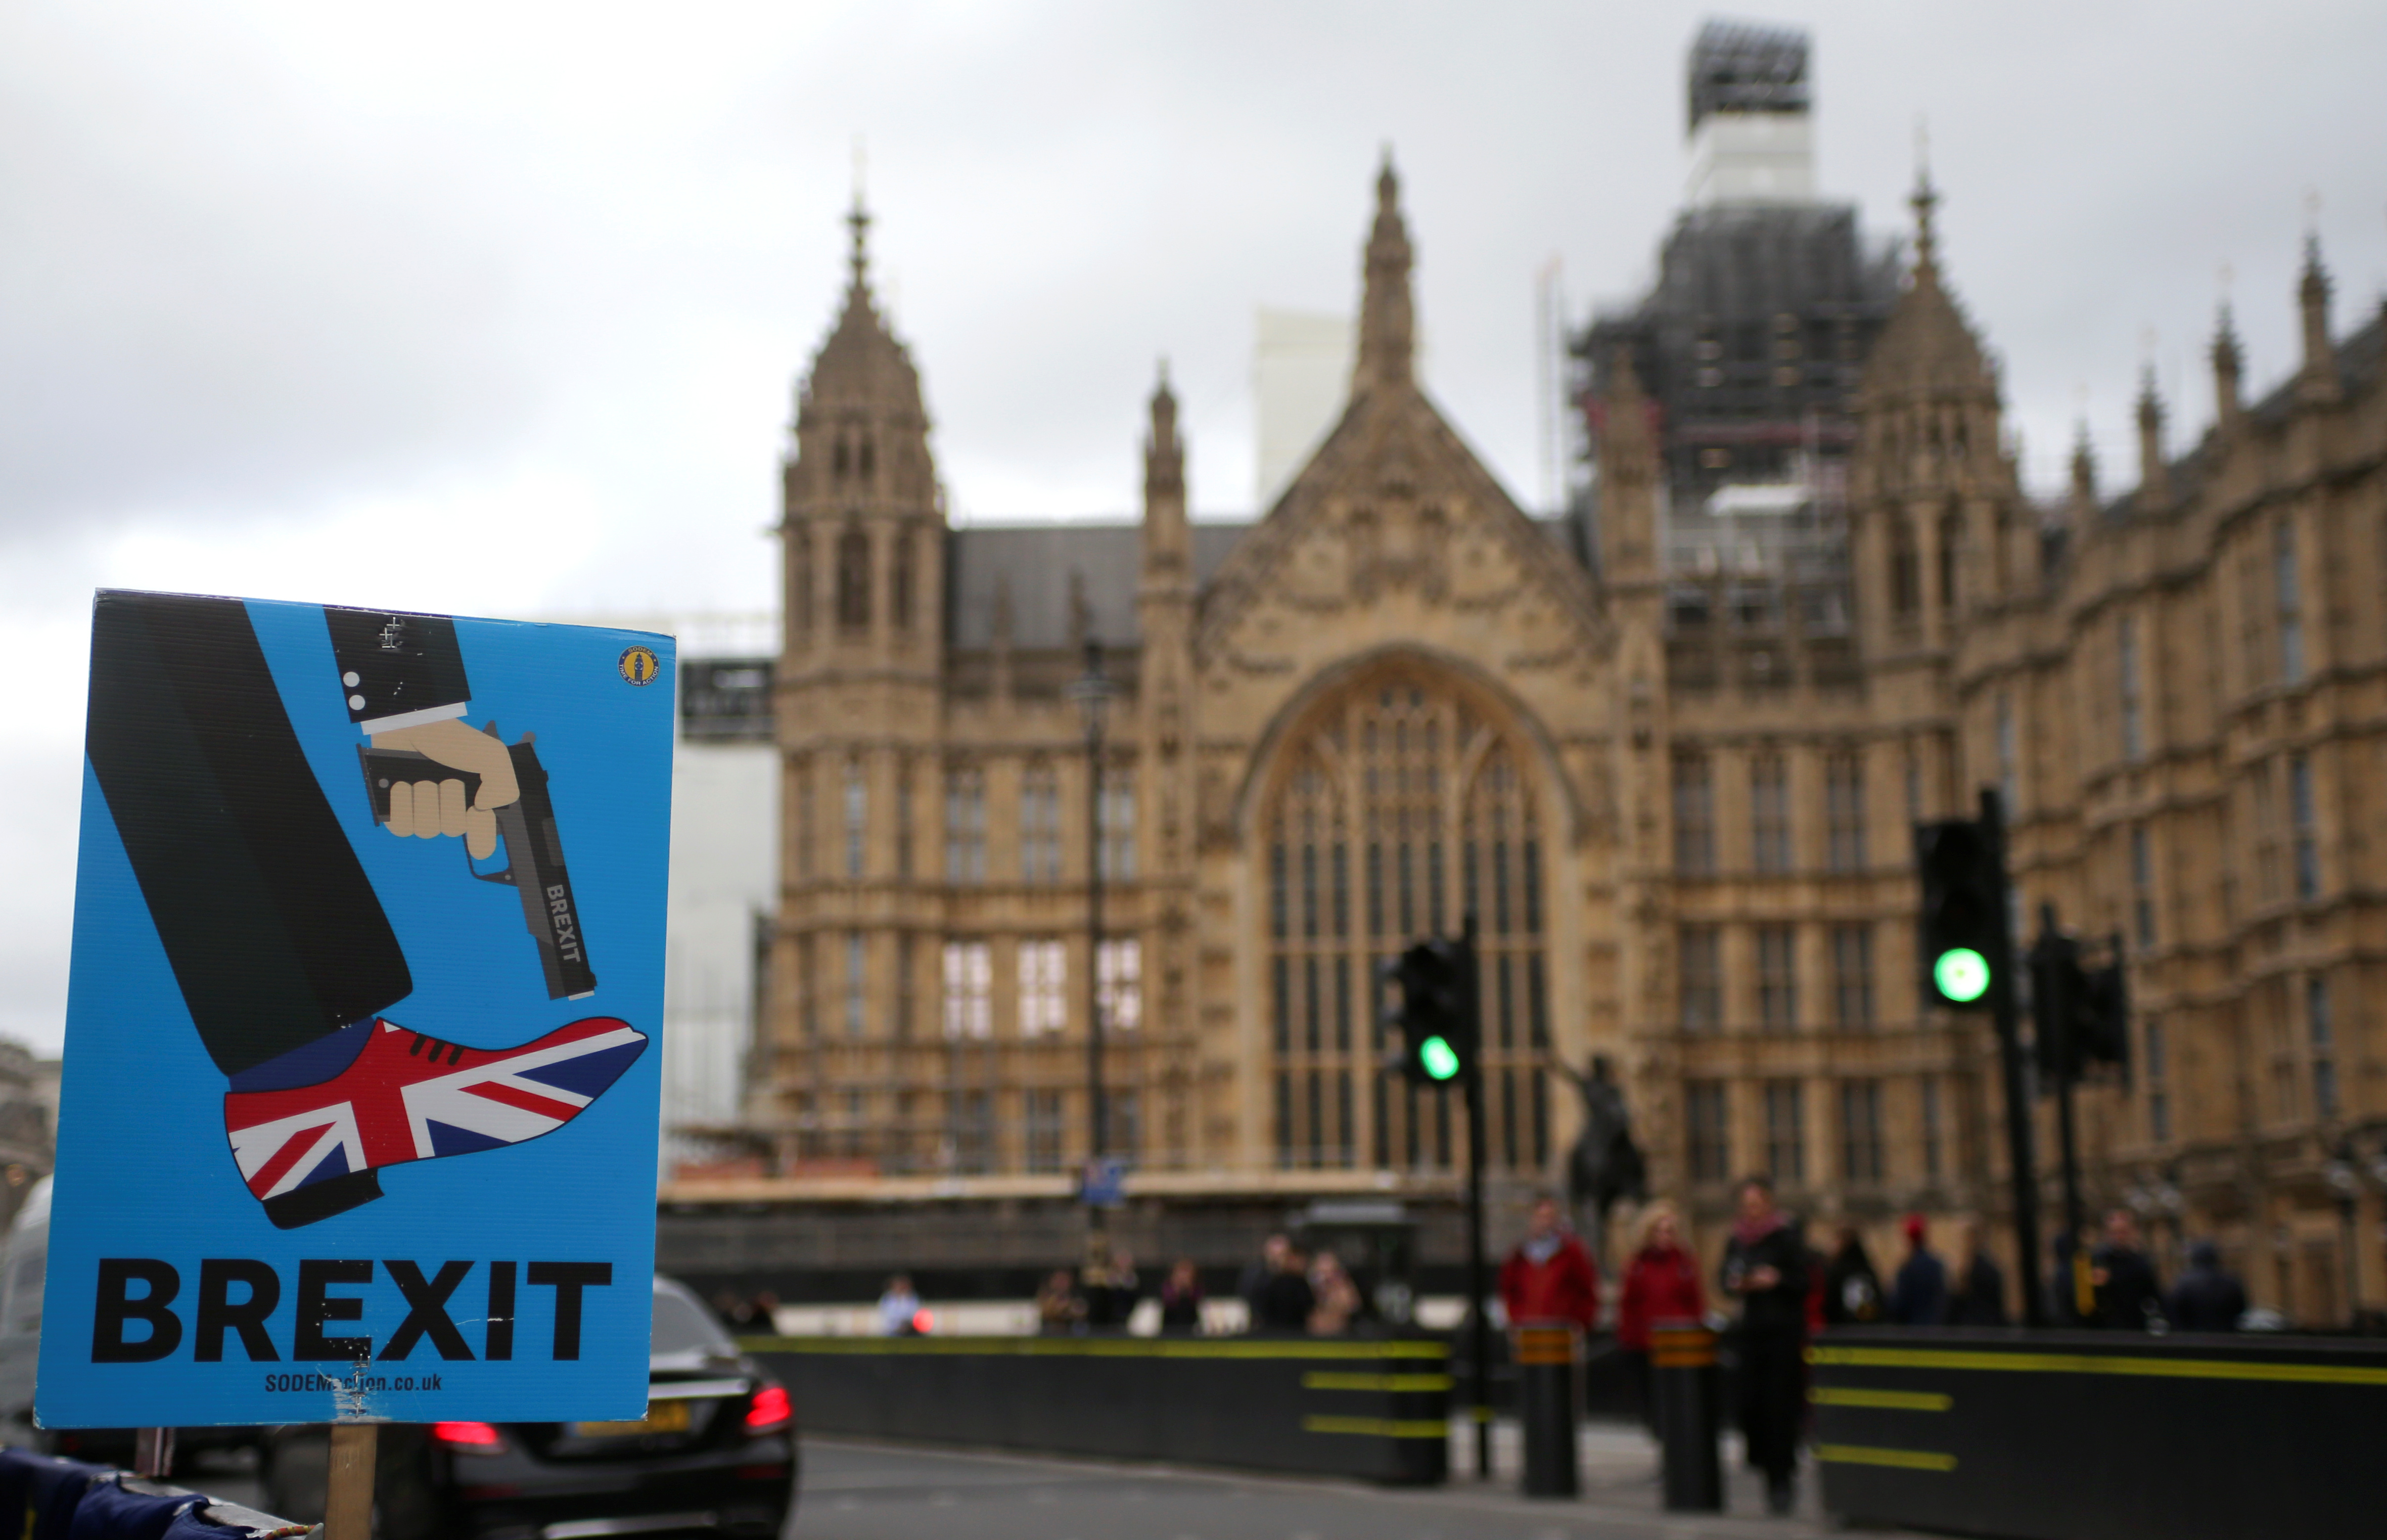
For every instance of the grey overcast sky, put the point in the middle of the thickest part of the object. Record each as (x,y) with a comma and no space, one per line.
(496,307)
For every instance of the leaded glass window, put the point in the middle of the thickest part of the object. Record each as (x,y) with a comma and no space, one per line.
(1399,810)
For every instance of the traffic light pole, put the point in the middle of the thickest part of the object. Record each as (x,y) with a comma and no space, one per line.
(1480,1340)
(2007,1012)
(2051,1013)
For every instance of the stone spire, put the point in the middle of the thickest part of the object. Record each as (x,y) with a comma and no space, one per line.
(1168,544)
(1387,318)
(2317,381)
(1927,354)
(2084,478)
(862,366)
(2228,364)
(2155,476)
(1925,203)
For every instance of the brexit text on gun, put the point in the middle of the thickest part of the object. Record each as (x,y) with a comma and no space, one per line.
(534,864)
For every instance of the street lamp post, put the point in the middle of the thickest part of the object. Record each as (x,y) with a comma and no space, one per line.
(1093,692)
(2345,1183)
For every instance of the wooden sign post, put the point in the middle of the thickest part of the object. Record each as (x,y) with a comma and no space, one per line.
(349,1499)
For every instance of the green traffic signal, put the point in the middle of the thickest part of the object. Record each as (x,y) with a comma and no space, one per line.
(1962,975)
(1439,1059)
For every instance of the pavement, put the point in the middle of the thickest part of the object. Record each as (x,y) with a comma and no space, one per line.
(858,1490)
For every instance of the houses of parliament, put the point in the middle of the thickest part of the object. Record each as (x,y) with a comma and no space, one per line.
(1676,792)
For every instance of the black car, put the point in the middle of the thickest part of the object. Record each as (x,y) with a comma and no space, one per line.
(715,1454)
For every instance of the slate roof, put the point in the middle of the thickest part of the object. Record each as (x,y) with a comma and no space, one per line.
(1035,561)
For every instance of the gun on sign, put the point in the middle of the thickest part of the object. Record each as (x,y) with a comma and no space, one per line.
(534,864)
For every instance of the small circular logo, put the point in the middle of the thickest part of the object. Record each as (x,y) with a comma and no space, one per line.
(640,665)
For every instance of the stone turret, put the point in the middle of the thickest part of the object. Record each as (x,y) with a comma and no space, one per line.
(2316,382)
(1937,510)
(862,519)
(2229,368)
(2155,476)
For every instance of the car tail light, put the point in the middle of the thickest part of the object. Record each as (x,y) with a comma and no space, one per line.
(769,1411)
(469,1438)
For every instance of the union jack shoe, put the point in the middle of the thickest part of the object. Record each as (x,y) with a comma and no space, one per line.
(310,1152)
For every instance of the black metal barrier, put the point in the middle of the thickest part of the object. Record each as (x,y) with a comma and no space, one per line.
(1378,1410)
(1688,1389)
(1545,1359)
(2085,1435)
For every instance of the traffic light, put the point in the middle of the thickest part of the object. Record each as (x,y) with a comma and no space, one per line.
(1435,1014)
(2104,1014)
(1962,927)
(2083,1013)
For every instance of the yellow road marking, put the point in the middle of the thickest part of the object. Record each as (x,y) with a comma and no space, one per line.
(2094,1363)
(1896,1460)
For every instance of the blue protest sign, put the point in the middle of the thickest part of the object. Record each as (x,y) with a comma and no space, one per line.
(360,1098)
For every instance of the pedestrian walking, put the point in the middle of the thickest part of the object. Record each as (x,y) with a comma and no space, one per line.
(1976,1294)
(2206,1298)
(1919,1296)
(1181,1298)
(1549,1276)
(1852,1289)
(898,1309)
(1765,1268)
(2129,1296)
(1661,1283)
(1335,1298)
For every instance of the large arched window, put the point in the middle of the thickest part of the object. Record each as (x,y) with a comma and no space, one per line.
(1400,810)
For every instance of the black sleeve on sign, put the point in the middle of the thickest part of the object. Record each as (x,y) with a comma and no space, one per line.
(272,928)
(217,1311)
(568,1278)
(115,1308)
(308,1342)
(401,663)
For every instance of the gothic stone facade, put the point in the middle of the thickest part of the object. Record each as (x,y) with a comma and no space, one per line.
(1396,699)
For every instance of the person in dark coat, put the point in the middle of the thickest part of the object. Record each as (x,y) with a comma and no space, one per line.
(1286,1299)
(2129,1297)
(1852,1289)
(2205,1298)
(1976,1294)
(1765,1268)
(1919,1296)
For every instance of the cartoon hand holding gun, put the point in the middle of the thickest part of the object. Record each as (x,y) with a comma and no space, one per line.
(427,808)
(430,777)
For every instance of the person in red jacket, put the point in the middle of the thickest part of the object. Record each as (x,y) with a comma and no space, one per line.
(1550,1276)
(1661,1283)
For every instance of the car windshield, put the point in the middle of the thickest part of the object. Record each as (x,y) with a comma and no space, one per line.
(682,1326)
